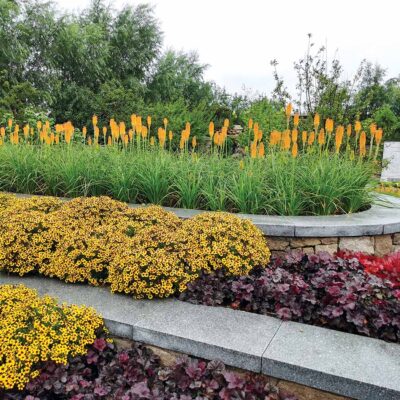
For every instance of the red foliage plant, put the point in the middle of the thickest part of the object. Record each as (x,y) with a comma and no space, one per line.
(387,268)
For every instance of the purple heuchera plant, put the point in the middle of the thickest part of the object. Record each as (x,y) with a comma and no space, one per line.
(318,289)
(137,374)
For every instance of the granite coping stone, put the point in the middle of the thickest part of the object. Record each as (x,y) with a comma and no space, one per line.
(382,218)
(337,362)
(352,365)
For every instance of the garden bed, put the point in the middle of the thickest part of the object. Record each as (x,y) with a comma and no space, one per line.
(313,183)
(328,360)
(213,259)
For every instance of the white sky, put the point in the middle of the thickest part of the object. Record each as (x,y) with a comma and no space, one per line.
(239,38)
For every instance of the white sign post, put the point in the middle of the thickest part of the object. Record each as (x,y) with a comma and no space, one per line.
(391,157)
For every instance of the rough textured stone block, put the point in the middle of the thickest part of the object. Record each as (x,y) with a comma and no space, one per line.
(396,238)
(383,245)
(304,242)
(329,248)
(330,240)
(275,243)
(337,362)
(308,250)
(364,244)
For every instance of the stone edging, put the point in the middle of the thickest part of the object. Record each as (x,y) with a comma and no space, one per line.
(383,218)
(336,362)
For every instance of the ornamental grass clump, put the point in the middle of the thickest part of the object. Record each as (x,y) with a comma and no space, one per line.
(36,329)
(215,241)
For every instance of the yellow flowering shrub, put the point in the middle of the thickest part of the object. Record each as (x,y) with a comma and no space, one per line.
(86,233)
(6,200)
(35,329)
(81,236)
(150,264)
(145,251)
(215,240)
(143,217)
(23,244)
(44,204)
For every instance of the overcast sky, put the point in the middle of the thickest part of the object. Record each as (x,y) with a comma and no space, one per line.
(239,38)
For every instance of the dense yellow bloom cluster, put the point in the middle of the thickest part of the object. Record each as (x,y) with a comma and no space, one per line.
(150,264)
(144,251)
(23,225)
(35,330)
(221,240)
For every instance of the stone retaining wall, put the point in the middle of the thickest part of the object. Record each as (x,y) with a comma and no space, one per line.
(379,245)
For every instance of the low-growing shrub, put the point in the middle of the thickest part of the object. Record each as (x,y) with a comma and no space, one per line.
(150,264)
(214,241)
(387,267)
(145,251)
(318,289)
(35,330)
(23,244)
(82,240)
(136,373)
(88,233)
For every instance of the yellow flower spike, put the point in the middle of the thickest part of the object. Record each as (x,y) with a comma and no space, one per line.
(295,134)
(253,149)
(316,121)
(261,150)
(84,131)
(288,110)
(165,122)
(109,141)
(304,137)
(357,127)
(363,141)
(348,130)
(94,120)
(329,125)
(170,136)
(104,131)
(226,123)
(133,120)
(296,120)
(250,123)
(294,150)
(9,123)
(194,142)
(311,138)
(152,141)
(211,129)
(149,121)
(241,164)
(321,137)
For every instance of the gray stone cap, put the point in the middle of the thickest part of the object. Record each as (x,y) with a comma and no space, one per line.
(341,363)
(382,218)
